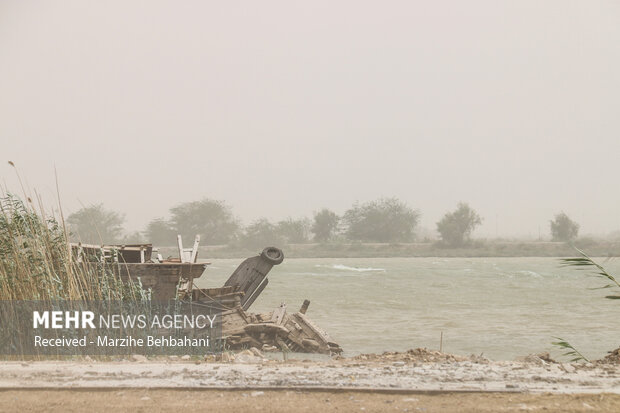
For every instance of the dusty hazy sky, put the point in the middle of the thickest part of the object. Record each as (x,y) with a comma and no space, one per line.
(283,107)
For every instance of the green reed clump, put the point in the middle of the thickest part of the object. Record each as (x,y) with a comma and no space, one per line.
(584,262)
(36,261)
(570,350)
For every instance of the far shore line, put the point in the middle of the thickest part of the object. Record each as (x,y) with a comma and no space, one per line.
(482,249)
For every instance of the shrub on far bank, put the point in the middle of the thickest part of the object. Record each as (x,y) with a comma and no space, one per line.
(563,228)
(259,234)
(382,220)
(455,227)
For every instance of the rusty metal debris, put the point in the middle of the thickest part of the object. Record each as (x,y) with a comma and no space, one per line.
(169,278)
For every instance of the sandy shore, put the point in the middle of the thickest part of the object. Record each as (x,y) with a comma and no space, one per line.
(400,372)
(145,400)
(418,380)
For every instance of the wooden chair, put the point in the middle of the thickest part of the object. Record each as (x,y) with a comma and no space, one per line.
(188,255)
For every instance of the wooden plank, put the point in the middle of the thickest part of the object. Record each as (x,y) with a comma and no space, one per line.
(248,302)
(180,245)
(249,276)
(278,314)
(194,255)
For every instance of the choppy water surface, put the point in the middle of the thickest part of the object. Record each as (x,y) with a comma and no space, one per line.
(501,307)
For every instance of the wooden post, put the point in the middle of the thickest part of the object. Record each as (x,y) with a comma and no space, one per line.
(180,244)
(441,342)
(195,249)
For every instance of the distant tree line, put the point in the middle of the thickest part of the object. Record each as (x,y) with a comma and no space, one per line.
(385,220)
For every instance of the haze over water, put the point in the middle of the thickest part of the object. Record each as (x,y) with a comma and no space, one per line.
(282,108)
(500,307)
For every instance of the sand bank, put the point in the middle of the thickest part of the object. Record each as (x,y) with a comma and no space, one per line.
(413,371)
(147,400)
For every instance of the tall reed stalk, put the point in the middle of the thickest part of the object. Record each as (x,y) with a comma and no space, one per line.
(584,262)
(36,262)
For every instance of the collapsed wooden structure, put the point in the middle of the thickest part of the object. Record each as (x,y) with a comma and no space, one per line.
(278,329)
(174,278)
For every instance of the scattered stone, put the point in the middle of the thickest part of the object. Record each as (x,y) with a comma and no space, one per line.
(479,359)
(398,364)
(256,352)
(568,368)
(145,398)
(226,357)
(414,355)
(186,357)
(139,358)
(613,357)
(247,359)
(257,393)
(541,359)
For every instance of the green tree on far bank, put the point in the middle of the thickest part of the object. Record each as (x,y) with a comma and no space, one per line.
(212,220)
(455,227)
(563,228)
(325,225)
(294,231)
(260,234)
(159,232)
(96,225)
(382,220)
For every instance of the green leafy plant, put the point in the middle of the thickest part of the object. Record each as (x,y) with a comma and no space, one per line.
(36,262)
(584,262)
(572,351)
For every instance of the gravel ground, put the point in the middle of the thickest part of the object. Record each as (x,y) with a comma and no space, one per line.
(418,380)
(386,372)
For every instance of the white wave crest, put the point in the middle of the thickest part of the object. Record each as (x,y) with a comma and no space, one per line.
(347,268)
(533,274)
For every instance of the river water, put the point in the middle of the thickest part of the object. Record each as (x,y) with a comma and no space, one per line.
(499,307)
